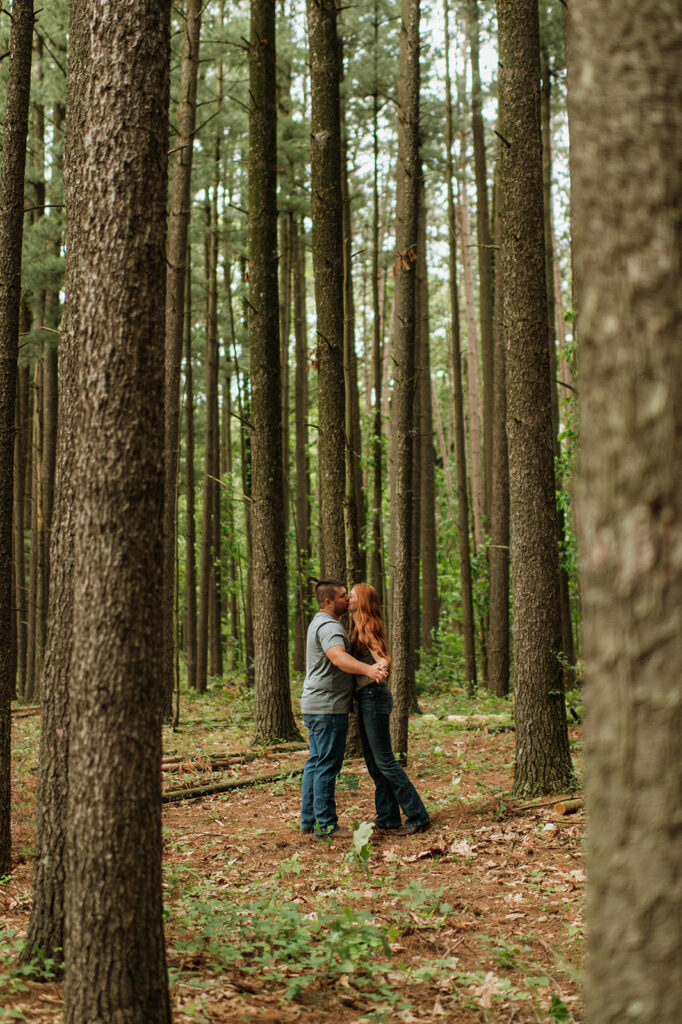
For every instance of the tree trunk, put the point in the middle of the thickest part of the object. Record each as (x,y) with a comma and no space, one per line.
(326,209)
(468,626)
(402,628)
(190,525)
(498,627)
(354,498)
(18,543)
(567,647)
(378,573)
(474,404)
(485,263)
(274,718)
(626,155)
(116,972)
(178,228)
(11,230)
(543,761)
(427,519)
(302,462)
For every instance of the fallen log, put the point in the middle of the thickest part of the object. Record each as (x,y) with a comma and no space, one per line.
(224,787)
(568,806)
(225,760)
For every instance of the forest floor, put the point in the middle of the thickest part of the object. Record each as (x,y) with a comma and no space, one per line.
(477,920)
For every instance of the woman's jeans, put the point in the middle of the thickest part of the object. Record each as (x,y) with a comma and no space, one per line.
(393,788)
(327,741)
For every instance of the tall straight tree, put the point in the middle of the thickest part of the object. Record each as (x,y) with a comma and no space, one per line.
(403,630)
(11,230)
(273,714)
(468,626)
(485,261)
(114,971)
(626,142)
(498,632)
(326,209)
(302,517)
(178,228)
(543,761)
(46,925)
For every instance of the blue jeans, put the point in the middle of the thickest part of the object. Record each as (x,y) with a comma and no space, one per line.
(327,741)
(393,787)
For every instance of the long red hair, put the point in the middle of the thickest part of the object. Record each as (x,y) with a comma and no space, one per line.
(367,625)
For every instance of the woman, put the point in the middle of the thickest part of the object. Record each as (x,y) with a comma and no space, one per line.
(375,703)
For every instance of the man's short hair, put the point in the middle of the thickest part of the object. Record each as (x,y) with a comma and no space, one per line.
(327,589)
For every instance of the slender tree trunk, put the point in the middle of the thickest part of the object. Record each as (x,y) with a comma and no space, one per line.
(18,546)
(474,404)
(190,525)
(427,521)
(114,972)
(353,500)
(468,626)
(485,264)
(498,631)
(627,154)
(178,227)
(302,462)
(402,629)
(327,215)
(543,761)
(33,663)
(273,713)
(567,647)
(11,229)
(378,573)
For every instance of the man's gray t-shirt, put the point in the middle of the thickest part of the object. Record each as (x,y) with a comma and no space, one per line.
(326,689)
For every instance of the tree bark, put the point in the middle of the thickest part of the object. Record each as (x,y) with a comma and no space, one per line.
(626,156)
(498,621)
(402,411)
(116,972)
(302,462)
(543,761)
(326,209)
(274,718)
(567,646)
(11,230)
(468,625)
(178,228)
(427,520)
(485,263)
(190,525)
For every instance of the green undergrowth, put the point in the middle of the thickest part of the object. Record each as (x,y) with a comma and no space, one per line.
(14,977)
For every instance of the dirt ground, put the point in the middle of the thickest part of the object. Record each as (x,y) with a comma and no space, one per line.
(477,920)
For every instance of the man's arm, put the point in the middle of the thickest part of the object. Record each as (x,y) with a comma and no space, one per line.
(347,663)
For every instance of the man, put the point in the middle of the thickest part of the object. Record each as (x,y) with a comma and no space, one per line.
(326,700)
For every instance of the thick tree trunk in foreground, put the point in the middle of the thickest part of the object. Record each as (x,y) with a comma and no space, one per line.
(543,761)
(326,208)
(11,230)
(274,718)
(403,630)
(178,227)
(116,971)
(627,156)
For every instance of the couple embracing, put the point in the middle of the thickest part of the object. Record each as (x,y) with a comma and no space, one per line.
(337,668)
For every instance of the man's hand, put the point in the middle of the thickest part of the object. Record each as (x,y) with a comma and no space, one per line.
(377,672)
(347,663)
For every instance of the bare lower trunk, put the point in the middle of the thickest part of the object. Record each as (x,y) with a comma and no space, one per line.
(626,159)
